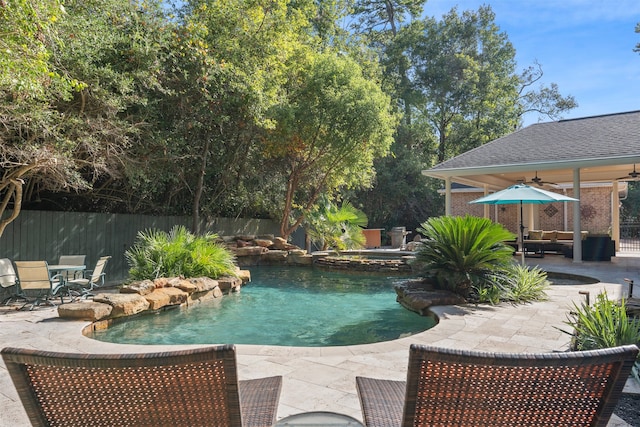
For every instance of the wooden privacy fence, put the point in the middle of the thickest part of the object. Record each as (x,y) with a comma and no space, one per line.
(44,235)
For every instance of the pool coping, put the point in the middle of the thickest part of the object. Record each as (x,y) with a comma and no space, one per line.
(323,378)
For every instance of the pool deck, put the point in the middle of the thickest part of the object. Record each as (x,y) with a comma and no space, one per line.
(323,378)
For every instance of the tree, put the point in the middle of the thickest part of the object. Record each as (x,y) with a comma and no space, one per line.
(328,132)
(464,69)
(547,101)
(32,150)
(229,61)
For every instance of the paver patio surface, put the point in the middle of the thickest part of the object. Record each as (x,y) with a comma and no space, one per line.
(323,378)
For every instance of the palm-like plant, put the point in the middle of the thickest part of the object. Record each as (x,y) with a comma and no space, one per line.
(338,227)
(178,253)
(463,253)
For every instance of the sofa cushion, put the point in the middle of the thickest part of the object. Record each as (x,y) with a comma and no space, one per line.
(565,235)
(535,234)
(550,235)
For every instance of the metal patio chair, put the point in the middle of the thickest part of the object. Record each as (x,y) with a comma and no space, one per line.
(84,286)
(194,387)
(447,387)
(36,284)
(72,260)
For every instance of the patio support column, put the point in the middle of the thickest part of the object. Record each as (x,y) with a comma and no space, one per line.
(577,237)
(447,196)
(486,207)
(615,214)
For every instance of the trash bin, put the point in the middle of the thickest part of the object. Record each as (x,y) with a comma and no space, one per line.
(398,237)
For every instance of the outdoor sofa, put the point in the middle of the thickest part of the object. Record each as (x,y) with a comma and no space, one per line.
(543,241)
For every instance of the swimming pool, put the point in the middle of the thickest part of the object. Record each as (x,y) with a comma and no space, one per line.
(292,306)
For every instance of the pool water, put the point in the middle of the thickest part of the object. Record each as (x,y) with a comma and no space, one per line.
(293,306)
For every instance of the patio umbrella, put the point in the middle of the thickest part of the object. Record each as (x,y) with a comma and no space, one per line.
(521,193)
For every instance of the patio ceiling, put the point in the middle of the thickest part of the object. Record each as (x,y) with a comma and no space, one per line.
(603,149)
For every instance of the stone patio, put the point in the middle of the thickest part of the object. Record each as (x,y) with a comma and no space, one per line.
(323,378)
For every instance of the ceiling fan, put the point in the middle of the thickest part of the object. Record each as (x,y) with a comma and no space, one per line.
(631,175)
(538,181)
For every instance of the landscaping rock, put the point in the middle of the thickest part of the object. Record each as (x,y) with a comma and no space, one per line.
(141,288)
(186,286)
(157,299)
(263,242)
(87,310)
(275,256)
(229,284)
(204,284)
(419,295)
(176,296)
(244,275)
(123,304)
(250,251)
(299,257)
(281,244)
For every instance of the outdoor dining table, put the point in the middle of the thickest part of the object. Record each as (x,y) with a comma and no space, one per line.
(60,268)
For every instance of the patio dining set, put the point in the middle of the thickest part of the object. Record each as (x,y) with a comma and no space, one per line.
(38,282)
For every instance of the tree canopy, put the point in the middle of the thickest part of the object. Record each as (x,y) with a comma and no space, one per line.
(257,109)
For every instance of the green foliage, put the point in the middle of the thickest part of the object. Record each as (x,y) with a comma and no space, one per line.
(491,293)
(178,253)
(465,73)
(332,125)
(463,253)
(525,284)
(337,227)
(602,325)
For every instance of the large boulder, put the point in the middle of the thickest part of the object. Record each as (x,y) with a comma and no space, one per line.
(204,284)
(157,299)
(419,295)
(123,304)
(142,287)
(86,310)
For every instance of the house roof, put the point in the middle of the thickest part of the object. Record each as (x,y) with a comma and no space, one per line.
(605,148)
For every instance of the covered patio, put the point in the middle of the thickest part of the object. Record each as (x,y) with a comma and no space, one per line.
(560,156)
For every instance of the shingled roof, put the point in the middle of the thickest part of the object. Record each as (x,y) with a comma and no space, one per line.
(604,148)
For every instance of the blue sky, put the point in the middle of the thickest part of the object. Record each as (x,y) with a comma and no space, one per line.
(585,46)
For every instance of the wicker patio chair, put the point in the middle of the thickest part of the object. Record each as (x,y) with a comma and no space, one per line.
(193,387)
(447,387)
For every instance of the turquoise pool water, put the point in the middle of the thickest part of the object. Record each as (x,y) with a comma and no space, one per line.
(300,306)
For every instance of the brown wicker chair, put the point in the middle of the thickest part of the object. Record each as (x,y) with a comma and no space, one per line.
(193,387)
(447,387)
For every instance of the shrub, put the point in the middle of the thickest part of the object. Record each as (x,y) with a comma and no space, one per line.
(524,284)
(178,253)
(463,253)
(603,324)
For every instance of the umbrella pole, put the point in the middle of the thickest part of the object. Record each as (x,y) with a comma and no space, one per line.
(521,234)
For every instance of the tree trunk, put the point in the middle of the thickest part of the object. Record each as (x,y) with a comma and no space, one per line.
(14,189)
(195,225)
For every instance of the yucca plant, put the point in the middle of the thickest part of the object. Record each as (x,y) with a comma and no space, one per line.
(603,324)
(178,253)
(463,253)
